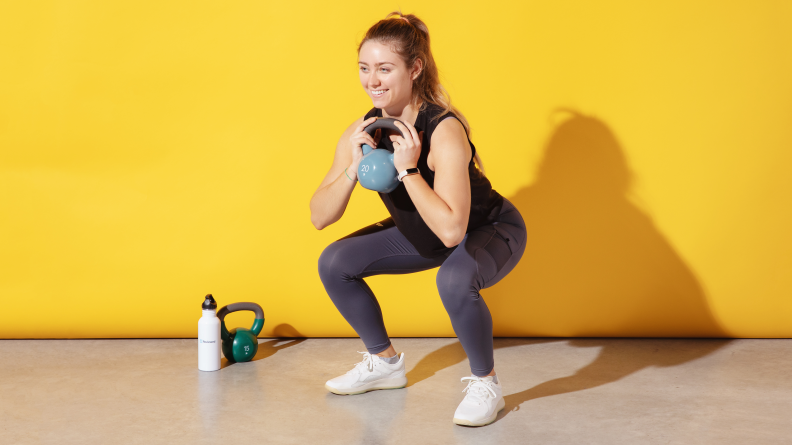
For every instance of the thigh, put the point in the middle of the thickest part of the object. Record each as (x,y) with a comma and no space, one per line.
(377,249)
(490,252)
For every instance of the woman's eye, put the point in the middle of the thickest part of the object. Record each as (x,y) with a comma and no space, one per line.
(384,70)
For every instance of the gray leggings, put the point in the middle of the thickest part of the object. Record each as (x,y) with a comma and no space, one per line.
(484,257)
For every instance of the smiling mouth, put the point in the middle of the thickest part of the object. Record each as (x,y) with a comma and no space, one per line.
(378,93)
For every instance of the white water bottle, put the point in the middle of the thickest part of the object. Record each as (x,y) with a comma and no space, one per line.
(209,336)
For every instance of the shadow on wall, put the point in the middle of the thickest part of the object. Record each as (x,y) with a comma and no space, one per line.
(594,264)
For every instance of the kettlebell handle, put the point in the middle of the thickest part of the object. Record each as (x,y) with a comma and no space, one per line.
(258,323)
(236,307)
(386,123)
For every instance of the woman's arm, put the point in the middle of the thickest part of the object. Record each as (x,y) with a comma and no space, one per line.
(446,209)
(330,199)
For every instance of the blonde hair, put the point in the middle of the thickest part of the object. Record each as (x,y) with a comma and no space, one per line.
(408,36)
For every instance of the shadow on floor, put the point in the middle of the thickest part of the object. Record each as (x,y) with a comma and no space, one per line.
(450,355)
(285,332)
(616,361)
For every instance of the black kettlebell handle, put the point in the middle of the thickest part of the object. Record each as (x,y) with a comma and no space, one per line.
(235,307)
(385,123)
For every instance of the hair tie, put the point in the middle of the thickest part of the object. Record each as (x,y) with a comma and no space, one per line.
(405,19)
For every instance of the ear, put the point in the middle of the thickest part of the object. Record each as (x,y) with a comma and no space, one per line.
(417,68)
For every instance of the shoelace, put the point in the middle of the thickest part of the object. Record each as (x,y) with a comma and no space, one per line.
(367,363)
(478,388)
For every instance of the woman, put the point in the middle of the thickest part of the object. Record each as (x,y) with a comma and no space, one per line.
(446,214)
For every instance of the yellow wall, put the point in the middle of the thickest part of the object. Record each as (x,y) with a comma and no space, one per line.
(152,152)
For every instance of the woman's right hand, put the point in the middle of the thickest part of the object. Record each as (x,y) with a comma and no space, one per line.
(356,141)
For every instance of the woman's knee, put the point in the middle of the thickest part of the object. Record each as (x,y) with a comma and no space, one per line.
(333,261)
(456,288)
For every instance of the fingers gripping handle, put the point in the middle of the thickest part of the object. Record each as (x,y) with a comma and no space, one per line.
(386,123)
(258,323)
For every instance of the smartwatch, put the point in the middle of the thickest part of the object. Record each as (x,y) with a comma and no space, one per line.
(409,171)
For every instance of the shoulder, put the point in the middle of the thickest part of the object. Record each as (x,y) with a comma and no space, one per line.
(435,116)
(450,138)
(449,128)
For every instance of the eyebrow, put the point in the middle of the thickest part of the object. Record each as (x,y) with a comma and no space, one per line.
(378,64)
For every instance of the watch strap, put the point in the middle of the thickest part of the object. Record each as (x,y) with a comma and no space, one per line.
(409,171)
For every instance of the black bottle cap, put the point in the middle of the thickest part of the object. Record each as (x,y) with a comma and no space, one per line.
(209,303)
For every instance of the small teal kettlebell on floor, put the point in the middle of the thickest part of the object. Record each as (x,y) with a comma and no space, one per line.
(376,170)
(240,344)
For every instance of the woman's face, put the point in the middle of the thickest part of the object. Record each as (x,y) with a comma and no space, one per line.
(384,76)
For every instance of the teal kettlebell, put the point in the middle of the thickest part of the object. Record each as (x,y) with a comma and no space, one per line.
(240,344)
(376,171)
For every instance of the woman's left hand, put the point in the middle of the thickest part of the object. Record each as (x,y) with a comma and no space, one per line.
(406,150)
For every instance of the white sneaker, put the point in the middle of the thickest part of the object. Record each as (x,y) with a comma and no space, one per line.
(483,402)
(370,374)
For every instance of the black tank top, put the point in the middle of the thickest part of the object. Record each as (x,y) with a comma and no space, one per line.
(485,203)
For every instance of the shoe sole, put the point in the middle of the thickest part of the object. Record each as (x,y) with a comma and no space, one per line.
(396,383)
(487,421)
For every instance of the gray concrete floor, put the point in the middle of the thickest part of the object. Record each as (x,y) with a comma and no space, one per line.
(557,391)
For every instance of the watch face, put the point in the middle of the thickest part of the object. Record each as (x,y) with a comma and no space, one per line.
(409,171)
